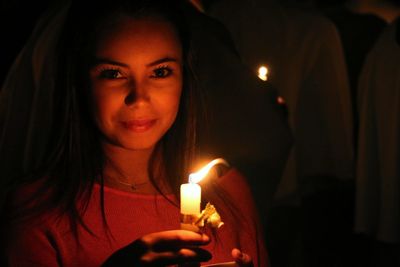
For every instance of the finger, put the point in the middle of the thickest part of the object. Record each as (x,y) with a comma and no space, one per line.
(175,239)
(242,259)
(183,255)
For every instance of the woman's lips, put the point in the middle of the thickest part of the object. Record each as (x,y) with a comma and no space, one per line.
(139,126)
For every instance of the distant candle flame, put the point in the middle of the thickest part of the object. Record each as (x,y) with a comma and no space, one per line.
(198,176)
(280,100)
(263,73)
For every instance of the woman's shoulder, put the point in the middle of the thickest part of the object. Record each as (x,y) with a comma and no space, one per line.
(27,192)
(233,179)
(28,205)
(233,183)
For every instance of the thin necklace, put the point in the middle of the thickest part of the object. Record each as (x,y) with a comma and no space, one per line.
(133,186)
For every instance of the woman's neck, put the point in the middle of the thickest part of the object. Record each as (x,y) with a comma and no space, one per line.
(127,170)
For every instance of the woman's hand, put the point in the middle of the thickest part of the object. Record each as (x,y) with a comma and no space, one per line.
(161,249)
(242,259)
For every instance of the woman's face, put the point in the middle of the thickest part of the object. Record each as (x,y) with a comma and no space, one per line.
(136,82)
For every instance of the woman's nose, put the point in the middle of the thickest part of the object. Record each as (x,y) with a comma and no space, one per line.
(137,93)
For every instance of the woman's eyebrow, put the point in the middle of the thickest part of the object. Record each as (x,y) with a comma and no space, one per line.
(99,61)
(162,60)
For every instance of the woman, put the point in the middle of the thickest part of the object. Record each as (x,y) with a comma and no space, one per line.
(122,141)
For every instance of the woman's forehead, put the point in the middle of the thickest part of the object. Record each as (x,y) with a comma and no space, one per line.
(145,37)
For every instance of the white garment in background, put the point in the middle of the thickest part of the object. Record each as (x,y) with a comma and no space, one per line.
(378,165)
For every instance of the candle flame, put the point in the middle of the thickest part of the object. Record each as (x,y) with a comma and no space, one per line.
(199,175)
(263,73)
(280,100)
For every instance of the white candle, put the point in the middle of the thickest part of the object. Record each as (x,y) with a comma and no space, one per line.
(191,192)
(190,199)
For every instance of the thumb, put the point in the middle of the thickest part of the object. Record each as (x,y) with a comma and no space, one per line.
(242,259)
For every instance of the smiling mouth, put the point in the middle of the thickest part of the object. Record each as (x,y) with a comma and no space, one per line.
(138,126)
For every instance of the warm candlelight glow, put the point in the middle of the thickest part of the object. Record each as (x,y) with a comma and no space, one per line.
(263,73)
(199,175)
(191,192)
(191,216)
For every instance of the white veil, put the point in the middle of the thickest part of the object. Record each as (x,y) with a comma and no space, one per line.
(26,101)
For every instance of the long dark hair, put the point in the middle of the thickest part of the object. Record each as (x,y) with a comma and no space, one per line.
(75,159)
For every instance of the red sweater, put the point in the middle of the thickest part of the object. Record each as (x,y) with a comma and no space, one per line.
(130,216)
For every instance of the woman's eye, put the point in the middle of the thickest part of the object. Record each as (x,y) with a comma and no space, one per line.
(161,72)
(110,74)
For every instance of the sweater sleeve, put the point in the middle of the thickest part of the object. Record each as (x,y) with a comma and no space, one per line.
(30,242)
(31,245)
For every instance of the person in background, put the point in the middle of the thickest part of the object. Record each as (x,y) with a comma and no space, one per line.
(310,219)
(377,213)
(110,105)
(359,23)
